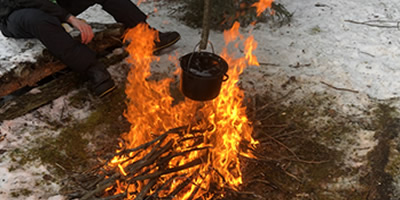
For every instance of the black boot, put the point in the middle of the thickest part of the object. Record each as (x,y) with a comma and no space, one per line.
(100,81)
(167,39)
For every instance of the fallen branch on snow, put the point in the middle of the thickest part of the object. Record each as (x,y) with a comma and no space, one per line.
(378,23)
(336,88)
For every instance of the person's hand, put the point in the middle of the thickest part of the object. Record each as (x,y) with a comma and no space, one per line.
(85,29)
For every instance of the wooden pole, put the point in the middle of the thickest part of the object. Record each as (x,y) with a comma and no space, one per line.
(206,25)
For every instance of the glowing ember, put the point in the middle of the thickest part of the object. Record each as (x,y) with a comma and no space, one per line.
(221,123)
(262,5)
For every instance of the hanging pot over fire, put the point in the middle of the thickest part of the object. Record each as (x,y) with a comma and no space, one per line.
(203,72)
(202,75)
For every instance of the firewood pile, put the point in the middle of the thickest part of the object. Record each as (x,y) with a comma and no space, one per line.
(150,166)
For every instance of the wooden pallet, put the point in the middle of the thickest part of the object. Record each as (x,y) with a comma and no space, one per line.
(29,74)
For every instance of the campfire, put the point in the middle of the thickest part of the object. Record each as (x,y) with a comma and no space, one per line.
(185,150)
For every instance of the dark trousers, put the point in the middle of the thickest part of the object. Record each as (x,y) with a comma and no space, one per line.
(34,23)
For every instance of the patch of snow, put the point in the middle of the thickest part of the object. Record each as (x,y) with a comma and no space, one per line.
(19,134)
(364,142)
(344,54)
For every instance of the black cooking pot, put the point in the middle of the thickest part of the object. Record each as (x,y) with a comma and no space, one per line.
(202,75)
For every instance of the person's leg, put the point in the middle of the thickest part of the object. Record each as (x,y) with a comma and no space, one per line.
(76,7)
(124,11)
(34,23)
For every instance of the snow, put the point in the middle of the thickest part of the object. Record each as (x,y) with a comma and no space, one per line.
(318,47)
(344,54)
(20,133)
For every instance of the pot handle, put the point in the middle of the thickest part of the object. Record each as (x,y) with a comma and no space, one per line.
(225,78)
(194,49)
(198,44)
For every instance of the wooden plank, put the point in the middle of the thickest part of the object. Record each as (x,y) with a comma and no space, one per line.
(28,74)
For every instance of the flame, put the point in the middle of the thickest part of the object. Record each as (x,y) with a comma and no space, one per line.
(150,111)
(140,1)
(262,5)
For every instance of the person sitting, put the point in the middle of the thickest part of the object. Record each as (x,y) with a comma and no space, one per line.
(42,19)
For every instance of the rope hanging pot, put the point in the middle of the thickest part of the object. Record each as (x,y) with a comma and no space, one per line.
(203,72)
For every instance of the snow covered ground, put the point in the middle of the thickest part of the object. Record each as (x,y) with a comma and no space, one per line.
(322,48)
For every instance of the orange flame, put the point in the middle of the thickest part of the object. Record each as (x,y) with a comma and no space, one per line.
(150,111)
(262,5)
(140,1)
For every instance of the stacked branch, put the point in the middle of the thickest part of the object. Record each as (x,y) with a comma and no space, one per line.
(153,167)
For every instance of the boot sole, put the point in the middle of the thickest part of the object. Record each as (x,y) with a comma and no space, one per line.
(158,49)
(107,91)
(104,88)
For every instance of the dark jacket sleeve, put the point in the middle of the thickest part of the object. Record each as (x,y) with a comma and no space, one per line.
(44,5)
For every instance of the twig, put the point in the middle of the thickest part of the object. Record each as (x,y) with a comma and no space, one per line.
(188,165)
(275,126)
(298,65)
(219,174)
(94,183)
(286,133)
(169,157)
(279,99)
(268,116)
(166,183)
(342,89)
(146,189)
(145,145)
(270,64)
(114,197)
(182,185)
(322,5)
(371,23)
(283,145)
(262,158)
(61,167)
(292,175)
(368,54)
(197,187)
(262,181)
(148,159)
(251,194)
(306,161)
(104,185)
